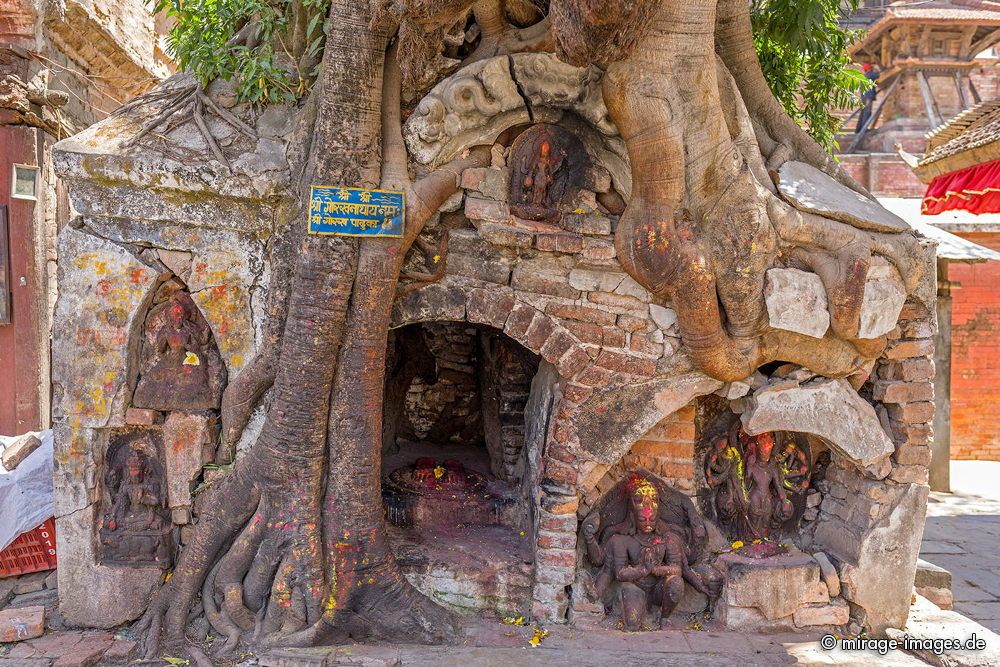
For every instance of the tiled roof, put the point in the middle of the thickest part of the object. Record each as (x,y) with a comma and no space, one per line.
(980,12)
(970,129)
(949,10)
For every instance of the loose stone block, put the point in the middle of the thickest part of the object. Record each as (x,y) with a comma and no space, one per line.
(811,190)
(751,582)
(828,572)
(187,444)
(835,613)
(19,624)
(796,301)
(883,300)
(663,317)
(19,450)
(830,409)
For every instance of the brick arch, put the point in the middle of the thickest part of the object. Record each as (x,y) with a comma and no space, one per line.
(501,309)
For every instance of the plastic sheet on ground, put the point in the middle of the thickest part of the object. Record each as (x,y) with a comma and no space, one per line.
(26,492)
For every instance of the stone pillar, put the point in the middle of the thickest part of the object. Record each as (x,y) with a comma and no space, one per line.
(940,476)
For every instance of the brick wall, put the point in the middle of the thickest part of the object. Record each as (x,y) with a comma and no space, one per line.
(975,356)
(883,174)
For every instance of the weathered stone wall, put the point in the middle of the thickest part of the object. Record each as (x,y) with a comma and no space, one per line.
(614,388)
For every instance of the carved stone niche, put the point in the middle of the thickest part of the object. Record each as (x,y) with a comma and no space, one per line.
(136,530)
(547,167)
(647,545)
(755,485)
(180,366)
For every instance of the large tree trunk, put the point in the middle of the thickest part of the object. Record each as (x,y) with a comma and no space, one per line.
(291,545)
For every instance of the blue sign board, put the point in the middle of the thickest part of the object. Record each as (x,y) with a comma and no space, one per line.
(355,212)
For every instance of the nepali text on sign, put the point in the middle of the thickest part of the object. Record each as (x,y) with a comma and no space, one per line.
(355,212)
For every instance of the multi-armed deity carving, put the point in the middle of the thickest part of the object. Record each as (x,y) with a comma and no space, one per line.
(181,368)
(756,481)
(547,164)
(136,527)
(647,539)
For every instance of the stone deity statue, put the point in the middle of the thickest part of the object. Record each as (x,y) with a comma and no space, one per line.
(645,560)
(180,362)
(136,529)
(755,482)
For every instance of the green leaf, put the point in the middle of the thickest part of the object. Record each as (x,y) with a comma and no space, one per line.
(176,661)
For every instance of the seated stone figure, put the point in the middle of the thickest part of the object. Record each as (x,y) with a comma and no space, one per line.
(646,559)
(136,528)
(181,366)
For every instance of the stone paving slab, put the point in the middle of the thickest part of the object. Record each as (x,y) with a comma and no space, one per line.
(962,535)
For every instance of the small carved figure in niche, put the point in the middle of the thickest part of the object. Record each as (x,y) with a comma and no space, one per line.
(755,486)
(646,558)
(136,530)
(547,167)
(181,365)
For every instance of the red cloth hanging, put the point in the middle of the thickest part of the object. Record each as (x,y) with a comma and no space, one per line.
(975,189)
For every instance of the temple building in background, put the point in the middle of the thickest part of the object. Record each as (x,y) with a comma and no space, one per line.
(936,60)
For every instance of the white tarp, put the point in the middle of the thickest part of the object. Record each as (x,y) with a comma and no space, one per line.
(26,492)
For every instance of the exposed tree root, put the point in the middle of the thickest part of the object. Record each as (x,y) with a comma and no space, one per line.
(190,102)
(499,37)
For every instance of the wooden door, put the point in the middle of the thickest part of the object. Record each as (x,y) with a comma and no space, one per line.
(21,340)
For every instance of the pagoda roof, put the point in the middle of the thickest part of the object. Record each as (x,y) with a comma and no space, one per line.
(959,13)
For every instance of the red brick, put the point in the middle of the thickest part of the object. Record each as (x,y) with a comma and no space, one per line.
(598,249)
(585,331)
(577,393)
(905,348)
(489,307)
(620,301)
(539,331)
(903,392)
(142,417)
(909,474)
(557,541)
(559,242)
(486,209)
(520,319)
(909,369)
(643,345)
(633,324)
(505,235)
(573,362)
(614,337)
(623,363)
(913,413)
(557,557)
(913,455)
(595,376)
(560,473)
(559,343)
(529,280)
(581,313)
(670,450)
(557,522)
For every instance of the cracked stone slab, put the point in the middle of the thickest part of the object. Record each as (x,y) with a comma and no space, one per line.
(829,409)
(612,420)
(809,189)
(103,289)
(796,301)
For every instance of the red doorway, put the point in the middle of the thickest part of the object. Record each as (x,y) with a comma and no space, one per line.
(21,340)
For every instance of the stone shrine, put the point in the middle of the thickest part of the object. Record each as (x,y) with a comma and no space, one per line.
(548,449)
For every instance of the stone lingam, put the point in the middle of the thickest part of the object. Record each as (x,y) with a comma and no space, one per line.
(429,492)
